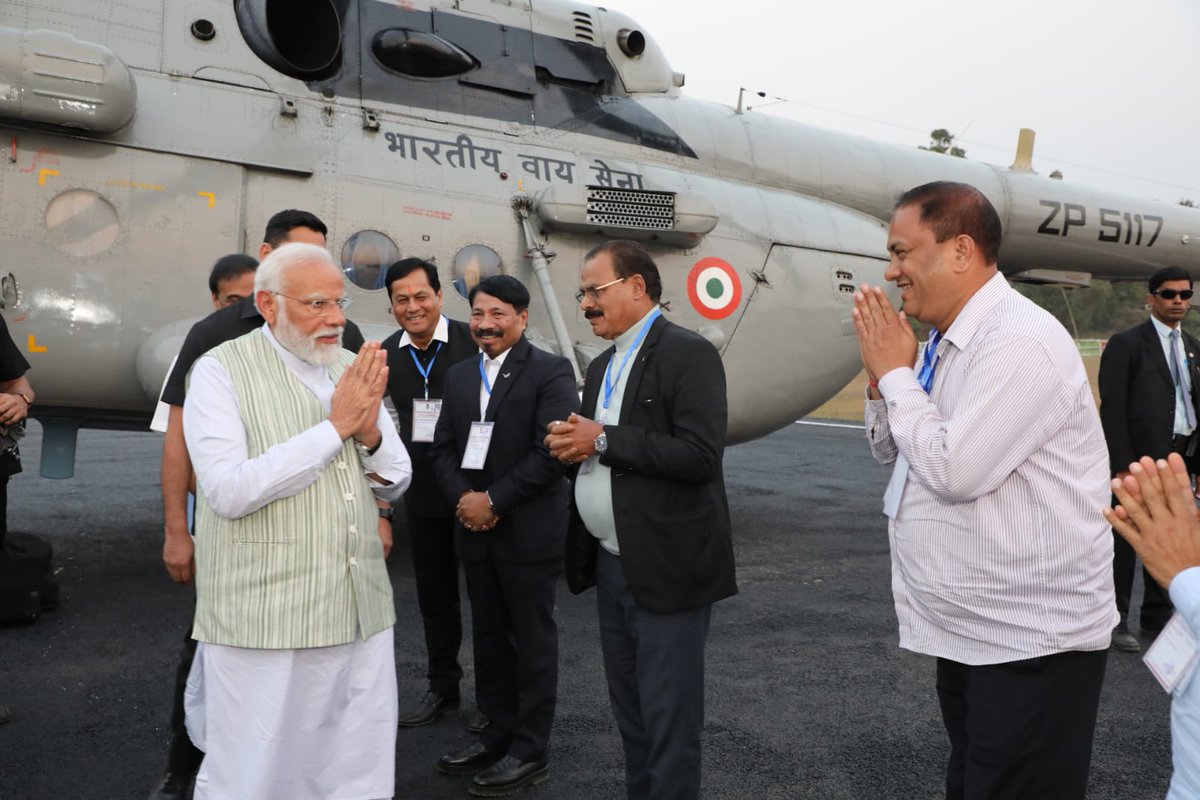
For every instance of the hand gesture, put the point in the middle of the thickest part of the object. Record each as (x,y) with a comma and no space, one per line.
(573,440)
(1157,516)
(885,339)
(354,408)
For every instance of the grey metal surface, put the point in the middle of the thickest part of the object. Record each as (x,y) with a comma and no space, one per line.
(111,237)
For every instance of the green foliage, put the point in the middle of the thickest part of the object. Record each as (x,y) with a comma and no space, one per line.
(942,141)
(1100,310)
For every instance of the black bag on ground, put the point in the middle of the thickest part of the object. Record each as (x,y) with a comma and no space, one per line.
(27,584)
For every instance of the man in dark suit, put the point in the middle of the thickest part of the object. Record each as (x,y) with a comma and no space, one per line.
(1149,376)
(419,355)
(511,499)
(649,518)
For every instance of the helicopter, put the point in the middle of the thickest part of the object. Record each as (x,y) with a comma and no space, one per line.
(146,138)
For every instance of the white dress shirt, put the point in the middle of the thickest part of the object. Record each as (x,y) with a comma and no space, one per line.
(593,489)
(999,549)
(441,333)
(1185,705)
(492,367)
(1183,392)
(235,484)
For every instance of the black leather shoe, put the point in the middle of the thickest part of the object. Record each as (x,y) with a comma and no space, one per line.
(507,776)
(173,787)
(430,708)
(473,758)
(476,722)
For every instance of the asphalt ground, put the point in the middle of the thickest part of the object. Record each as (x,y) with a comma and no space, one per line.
(808,694)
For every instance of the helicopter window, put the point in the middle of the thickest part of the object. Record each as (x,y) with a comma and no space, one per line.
(420,55)
(471,265)
(81,223)
(366,255)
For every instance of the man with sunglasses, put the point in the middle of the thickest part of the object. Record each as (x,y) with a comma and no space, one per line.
(1148,406)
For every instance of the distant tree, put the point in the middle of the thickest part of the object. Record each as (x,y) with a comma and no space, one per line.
(1187,201)
(942,141)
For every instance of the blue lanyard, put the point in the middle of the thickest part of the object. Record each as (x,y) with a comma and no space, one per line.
(610,384)
(412,351)
(930,361)
(483,375)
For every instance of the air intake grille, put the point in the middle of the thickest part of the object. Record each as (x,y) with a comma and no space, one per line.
(584,32)
(630,208)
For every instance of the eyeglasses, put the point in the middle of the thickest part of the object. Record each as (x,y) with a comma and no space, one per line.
(1171,294)
(593,293)
(320,306)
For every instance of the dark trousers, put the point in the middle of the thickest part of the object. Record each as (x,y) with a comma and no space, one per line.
(655,669)
(1156,603)
(1021,730)
(516,652)
(435,566)
(183,758)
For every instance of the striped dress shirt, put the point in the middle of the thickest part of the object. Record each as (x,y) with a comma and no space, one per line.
(999,549)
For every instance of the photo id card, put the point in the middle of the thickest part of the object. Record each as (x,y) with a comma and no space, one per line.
(1173,655)
(478,443)
(424,419)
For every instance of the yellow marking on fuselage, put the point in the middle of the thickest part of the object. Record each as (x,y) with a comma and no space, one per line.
(45,173)
(34,347)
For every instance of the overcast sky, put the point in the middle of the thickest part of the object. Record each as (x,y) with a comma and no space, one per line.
(1111,88)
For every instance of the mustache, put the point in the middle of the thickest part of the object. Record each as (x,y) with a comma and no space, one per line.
(592,313)
(487,332)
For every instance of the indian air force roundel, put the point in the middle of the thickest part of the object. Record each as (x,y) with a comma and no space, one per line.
(714,288)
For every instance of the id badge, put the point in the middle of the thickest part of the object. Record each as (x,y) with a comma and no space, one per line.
(424,419)
(895,488)
(1173,655)
(478,443)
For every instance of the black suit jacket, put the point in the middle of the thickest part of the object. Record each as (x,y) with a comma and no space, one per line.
(1137,396)
(525,482)
(424,497)
(668,488)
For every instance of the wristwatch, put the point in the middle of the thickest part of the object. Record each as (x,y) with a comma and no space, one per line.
(601,443)
(386,513)
(367,452)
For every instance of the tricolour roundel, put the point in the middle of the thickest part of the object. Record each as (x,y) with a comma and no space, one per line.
(714,288)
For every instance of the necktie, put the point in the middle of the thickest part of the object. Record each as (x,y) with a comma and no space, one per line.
(1176,375)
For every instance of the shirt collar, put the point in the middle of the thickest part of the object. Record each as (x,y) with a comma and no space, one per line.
(626,339)
(1164,330)
(973,314)
(440,334)
(498,360)
(291,360)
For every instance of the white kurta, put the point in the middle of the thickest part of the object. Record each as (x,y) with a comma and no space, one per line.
(302,724)
(312,724)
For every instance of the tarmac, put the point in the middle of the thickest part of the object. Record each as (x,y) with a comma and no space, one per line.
(809,695)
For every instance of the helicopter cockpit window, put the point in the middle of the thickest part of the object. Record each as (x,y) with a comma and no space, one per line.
(366,256)
(419,54)
(471,265)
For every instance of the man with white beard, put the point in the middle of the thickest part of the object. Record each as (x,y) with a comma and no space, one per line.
(293,690)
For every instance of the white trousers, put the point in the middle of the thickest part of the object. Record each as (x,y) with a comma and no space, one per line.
(312,724)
